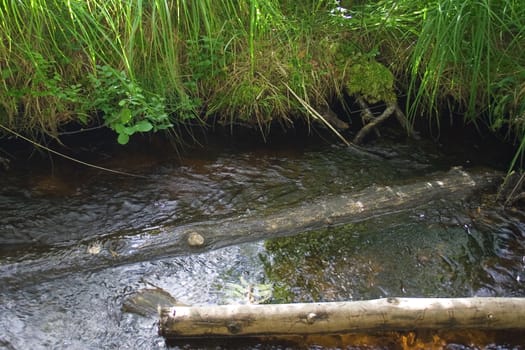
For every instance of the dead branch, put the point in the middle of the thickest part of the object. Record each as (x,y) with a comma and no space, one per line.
(389,314)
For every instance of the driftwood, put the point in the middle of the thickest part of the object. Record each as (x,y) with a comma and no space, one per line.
(371,122)
(120,249)
(390,314)
(146,302)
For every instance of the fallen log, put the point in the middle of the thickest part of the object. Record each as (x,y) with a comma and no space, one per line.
(121,248)
(380,315)
(146,302)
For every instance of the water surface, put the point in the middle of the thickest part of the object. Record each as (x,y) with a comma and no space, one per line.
(465,248)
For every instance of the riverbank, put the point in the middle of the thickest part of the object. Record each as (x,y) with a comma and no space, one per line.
(169,66)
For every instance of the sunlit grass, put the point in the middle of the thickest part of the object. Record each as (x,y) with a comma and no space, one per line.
(237,61)
(467,56)
(51,47)
(224,58)
(467,50)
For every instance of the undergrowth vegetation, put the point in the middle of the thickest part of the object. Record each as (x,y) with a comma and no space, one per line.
(138,66)
(466,57)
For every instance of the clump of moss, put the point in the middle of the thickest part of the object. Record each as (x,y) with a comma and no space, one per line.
(372,80)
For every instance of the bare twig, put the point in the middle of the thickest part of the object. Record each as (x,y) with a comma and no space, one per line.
(316,115)
(371,122)
(374,123)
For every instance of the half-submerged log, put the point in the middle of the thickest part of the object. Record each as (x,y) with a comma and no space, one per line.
(147,302)
(389,314)
(161,242)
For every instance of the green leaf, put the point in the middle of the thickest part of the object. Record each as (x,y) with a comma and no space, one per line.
(125,115)
(123,139)
(143,126)
(129,130)
(119,128)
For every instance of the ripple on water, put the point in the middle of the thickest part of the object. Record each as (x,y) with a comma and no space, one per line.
(503,263)
(178,192)
(435,251)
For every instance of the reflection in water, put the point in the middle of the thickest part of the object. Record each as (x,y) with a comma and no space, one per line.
(445,249)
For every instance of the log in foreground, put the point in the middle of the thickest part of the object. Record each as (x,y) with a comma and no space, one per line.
(389,314)
(121,248)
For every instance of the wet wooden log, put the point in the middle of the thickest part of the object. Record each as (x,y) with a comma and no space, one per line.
(374,201)
(147,302)
(119,249)
(389,314)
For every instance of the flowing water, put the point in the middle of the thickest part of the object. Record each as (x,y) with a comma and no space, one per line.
(446,249)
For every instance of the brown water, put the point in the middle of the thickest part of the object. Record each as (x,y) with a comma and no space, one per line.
(465,248)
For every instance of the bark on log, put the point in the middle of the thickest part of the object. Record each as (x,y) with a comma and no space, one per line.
(120,249)
(390,314)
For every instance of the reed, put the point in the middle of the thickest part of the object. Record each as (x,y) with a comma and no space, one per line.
(464,56)
(473,52)
(140,65)
(54,53)
(138,61)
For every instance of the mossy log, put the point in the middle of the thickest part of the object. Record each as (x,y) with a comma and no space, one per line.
(161,242)
(389,314)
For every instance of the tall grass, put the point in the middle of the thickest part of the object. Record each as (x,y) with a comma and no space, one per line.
(242,55)
(147,65)
(468,56)
(474,52)
(52,51)
(187,59)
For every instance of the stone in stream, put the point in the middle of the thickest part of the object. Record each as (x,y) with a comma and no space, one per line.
(146,302)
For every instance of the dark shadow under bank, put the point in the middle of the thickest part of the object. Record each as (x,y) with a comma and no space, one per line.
(466,145)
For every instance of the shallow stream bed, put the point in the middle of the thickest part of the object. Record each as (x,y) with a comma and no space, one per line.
(444,249)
